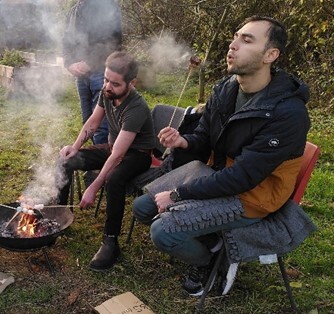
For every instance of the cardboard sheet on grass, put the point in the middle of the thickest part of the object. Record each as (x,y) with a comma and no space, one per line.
(5,281)
(123,304)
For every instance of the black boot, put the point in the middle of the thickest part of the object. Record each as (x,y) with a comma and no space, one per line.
(107,255)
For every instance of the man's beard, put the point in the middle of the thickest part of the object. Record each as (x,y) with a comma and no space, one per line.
(248,68)
(112,96)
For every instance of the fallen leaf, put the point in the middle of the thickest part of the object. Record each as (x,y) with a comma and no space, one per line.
(73,297)
(295,284)
(292,272)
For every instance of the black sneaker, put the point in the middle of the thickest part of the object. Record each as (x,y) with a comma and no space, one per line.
(197,279)
(107,255)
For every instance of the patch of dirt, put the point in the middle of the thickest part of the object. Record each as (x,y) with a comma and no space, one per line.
(74,291)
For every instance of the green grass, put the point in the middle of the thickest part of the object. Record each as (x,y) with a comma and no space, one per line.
(143,270)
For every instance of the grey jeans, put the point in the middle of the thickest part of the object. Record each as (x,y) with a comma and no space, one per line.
(184,245)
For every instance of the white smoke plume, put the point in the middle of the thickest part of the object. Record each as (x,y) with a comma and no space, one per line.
(35,24)
(167,55)
(47,180)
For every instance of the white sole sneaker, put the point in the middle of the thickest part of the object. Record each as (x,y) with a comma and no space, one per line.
(200,292)
(230,278)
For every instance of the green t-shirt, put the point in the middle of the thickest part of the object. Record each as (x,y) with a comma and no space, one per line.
(242,99)
(132,115)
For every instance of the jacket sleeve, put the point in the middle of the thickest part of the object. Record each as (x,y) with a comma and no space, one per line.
(199,141)
(68,41)
(105,32)
(98,33)
(282,138)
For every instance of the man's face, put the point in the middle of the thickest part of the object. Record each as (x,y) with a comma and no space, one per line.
(247,50)
(114,86)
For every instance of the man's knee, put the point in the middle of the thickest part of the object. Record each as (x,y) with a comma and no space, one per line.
(139,210)
(159,237)
(144,209)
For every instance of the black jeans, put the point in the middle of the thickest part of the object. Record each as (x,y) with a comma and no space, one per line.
(93,158)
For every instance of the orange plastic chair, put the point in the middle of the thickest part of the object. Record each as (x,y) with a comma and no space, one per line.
(310,157)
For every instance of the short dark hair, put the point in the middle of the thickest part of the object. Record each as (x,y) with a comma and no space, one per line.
(277,34)
(124,64)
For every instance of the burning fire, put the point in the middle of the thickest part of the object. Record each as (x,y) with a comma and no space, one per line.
(27,225)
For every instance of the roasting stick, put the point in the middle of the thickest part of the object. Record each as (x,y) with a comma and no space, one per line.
(9,222)
(55,206)
(11,207)
(182,92)
(14,216)
(29,213)
(194,62)
(20,210)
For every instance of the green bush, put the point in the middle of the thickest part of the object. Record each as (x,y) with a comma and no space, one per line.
(12,58)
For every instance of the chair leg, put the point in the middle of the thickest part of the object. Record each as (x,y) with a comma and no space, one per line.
(77,179)
(287,285)
(133,221)
(210,282)
(99,202)
(72,194)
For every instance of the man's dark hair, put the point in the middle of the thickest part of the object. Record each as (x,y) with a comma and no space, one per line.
(277,34)
(124,64)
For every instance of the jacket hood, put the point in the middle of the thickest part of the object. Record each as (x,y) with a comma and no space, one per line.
(284,85)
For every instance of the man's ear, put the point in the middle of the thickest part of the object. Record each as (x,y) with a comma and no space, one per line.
(271,55)
(133,82)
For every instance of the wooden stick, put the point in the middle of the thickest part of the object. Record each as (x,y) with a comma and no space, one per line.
(182,92)
(11,207)
(8,223)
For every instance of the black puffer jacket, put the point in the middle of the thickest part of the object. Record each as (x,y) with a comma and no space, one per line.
(264,138)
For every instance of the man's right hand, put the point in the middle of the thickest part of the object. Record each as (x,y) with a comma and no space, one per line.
(79,69)
(68,151)
(170,137)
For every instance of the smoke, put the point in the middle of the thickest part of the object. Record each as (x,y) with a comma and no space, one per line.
(44,124)
(47,180)
(167,55)
(29,24)
(162,55)
(39,24)
(35,88)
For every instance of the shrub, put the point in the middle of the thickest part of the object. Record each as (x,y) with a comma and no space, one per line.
(12,58)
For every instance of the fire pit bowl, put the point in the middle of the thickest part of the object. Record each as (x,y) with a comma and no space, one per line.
(61,214)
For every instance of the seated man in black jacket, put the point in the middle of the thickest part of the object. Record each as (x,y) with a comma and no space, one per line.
(256,124)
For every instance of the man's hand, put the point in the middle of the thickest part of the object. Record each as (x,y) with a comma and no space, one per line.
(68,151)
(170,137)
(79,69)
(162,200)
(88,198)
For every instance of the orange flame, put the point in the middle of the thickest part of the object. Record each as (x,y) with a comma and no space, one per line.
(27,225)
